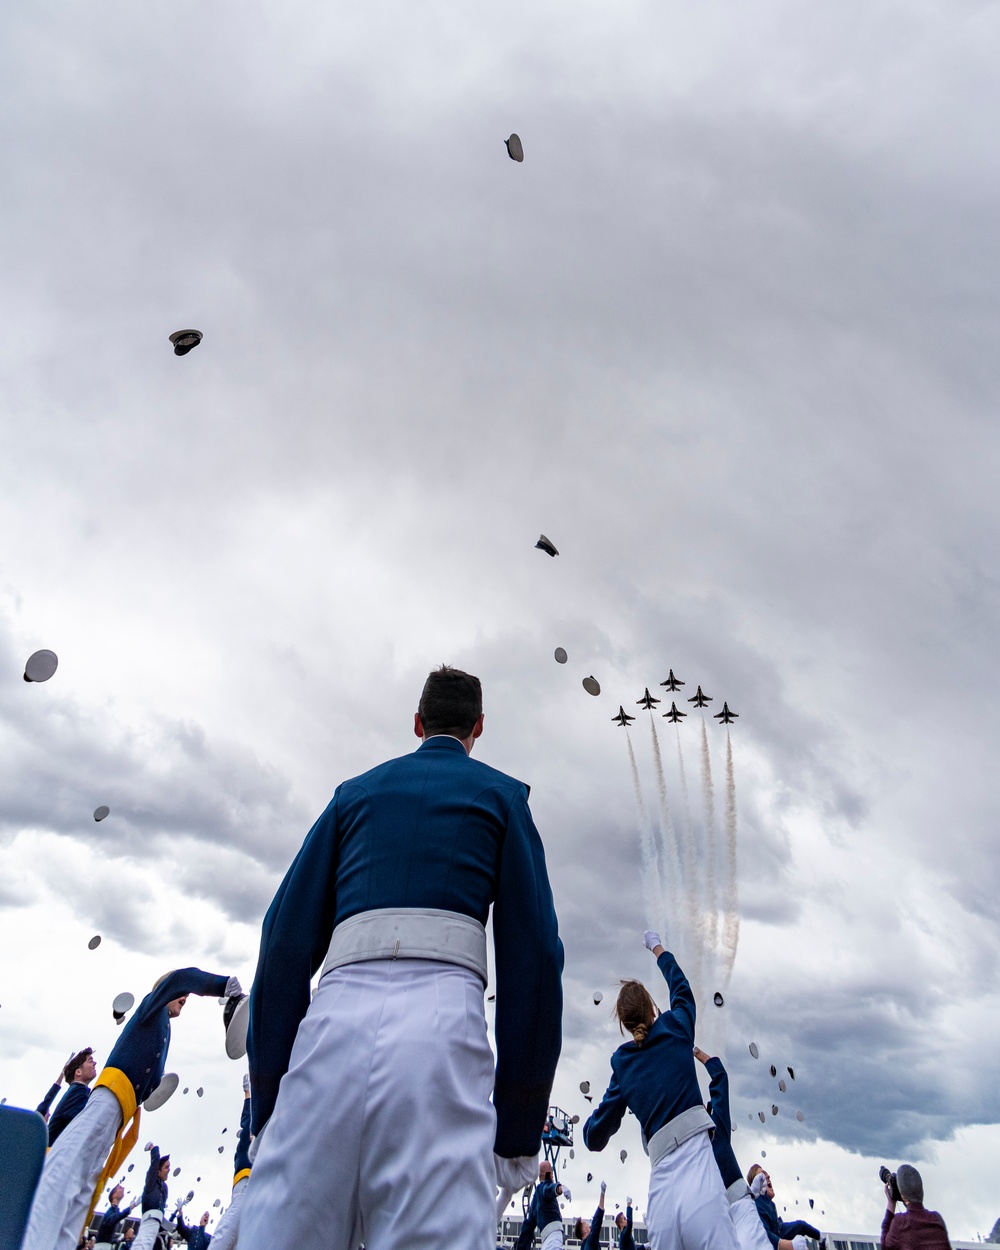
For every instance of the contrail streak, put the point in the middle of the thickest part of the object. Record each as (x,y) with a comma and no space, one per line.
(668,838)
(651,889)
(708,800)
(693,907)
(731,928)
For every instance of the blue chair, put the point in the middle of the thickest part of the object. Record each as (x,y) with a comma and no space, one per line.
(23,1141)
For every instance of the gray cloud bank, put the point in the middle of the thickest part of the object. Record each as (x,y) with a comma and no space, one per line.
(727,336)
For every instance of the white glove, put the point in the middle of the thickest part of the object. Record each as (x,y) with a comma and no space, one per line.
(758,1184)
(628,1202)
(604,1186)
(800,1243)
(246,1082)
(651,939)
(514,1174)
(566,1194)
(233,987)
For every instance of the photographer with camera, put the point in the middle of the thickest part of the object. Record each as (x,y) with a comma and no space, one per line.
(916,1228)
(781,1235)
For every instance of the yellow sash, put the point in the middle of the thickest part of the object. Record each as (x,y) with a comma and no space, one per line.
(239,1176)
(122,1088)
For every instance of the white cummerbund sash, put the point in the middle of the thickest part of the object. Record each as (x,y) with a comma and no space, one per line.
(551,1228)
(409,933)
(677,1131)
(737,1190)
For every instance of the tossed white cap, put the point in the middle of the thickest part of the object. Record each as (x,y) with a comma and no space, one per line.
(592,685)
(185,341)
(94,942)
(561,656)
(514,149)
(40,666)
(101,812)
(163,1091)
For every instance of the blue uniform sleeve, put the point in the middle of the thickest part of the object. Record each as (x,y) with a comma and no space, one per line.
(46,1103)
(293,944)
(527,1234)
(626,1241)
(241,1159)
(67,1109)
(603,1123)
(718,1092)
(593,1239)
(529,962)
(682,1005)
(183,1229)
(176,985)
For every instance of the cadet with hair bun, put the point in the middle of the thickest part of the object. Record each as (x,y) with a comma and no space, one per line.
(654,1076)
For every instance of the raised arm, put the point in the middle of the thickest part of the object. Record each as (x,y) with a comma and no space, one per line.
(293,944)
(605,1121)
(718,1092)
(529,962)
(176,985)
(682,1004)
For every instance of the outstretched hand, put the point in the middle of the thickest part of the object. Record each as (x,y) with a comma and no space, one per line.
(652,940)
(701,1056)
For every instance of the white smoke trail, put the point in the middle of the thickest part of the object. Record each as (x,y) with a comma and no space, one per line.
(693,907)
(708,801)
(669,847)
(731,927)
(652,891)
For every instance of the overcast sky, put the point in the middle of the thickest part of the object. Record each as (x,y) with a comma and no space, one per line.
(727,336)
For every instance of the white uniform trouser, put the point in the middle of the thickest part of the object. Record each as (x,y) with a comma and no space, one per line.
(228,1228)
(687,1207)
(71,1170)
(383,1127)
(746,1220)
(149,1229)
(555,1240)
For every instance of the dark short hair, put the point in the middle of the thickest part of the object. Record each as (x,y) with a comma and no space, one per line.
(578,1230)
(77,1061)
(450,703)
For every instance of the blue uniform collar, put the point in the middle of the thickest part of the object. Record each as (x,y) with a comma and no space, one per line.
(442,742)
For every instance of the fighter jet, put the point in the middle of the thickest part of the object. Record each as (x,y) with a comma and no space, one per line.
(675,714)
(700,699)
(725,716)
(622,718)
(672,682)
(647,700)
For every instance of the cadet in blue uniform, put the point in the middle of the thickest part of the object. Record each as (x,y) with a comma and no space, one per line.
(623,1221)
(99,1139)
(544,1214)
(46,1103)
(588,1232)
(386,1075)
(782,1236)
(197,1238)
(654,1076)
(228,1228)
(749,1230)
(154,1199)
(111,1218)
(79,1072)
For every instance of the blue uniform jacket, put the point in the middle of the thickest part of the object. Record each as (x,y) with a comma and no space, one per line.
(110,1220)
(241,1159)
(433,829)
(141,1050)
(195,1236)
(776,1229)
(718,1092)
(43,1106)
(68,1108)
(656,1080)
(154,1193)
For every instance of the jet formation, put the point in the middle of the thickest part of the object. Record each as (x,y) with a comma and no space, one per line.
(675,715)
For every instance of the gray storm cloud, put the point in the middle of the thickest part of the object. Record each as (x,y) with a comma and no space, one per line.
(727,335)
